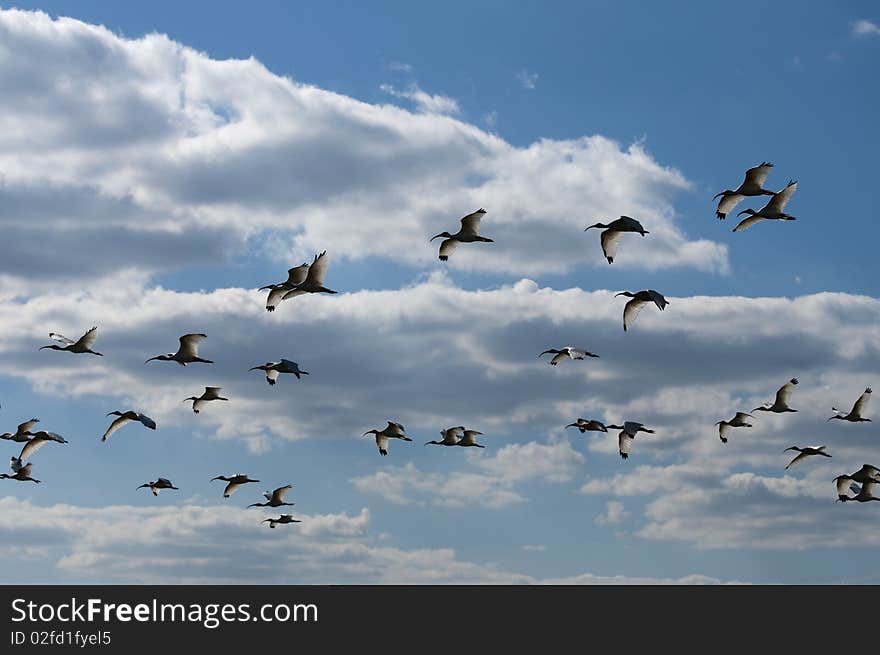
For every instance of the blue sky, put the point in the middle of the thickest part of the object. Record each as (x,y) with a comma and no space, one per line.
(158,184)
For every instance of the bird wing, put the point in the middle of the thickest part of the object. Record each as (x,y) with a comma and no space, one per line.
(784,393)
(288,366)
(470,224)
(297,274)
(32,447)
(164,482)
(146,421)
(115,425)
(798,459)
(746,223)
(778,201)
(278,494)
(272,374)
(860,403)
(317,270)
(624,443)
(230,488)
(728,203)
(757,175)
(25,470)
(88,339)
(395,428)
(868,487)
(189,344)
(723,430)
(26,426)
(447,247)
(382,443)
(559,357)
(632,427)
(741,417)
(609,240)
(211,393)
(842,486)
(293,293)
(576,353)
(60,338)
(631,311)
(277,295)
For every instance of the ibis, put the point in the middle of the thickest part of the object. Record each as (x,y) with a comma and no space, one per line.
(235,481)
(281,520)
(187,352)
(295,276)
(159,484)
(125,418)
(783,396)
(314,281)
(752,185)
(740,420)
(803,453)
(640,299)
(391,431)
(611,232)
(273,369)
(467,233)
(450,437)
(855,414)
(274,498)
(771,211)
(211,393)
(82,345)
(568,352)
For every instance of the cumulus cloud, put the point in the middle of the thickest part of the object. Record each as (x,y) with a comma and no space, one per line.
(218,141)
(195,544)
(614,513)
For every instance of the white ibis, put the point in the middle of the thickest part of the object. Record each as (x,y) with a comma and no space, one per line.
(211,393)
(467,233)
(752,185)
(22,432)
(867,474)
(783,396)
(568,352)
(273,369)
(738,421)
(592,425)
(391,431)
(855,414)
(187,352)
(314,282)
(771,211)
(281,520)
(862,494)
(640,299)
(628,432)
(295,276)
(39,440)
(20,472)
(469,439)
(159,484)
(125,418)
(610,236)
(803,453)
(274,498)
(80,346)
(450,437)
(235,481)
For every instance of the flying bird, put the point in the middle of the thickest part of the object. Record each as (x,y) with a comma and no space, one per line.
(160,483)
(82,345)
(187,352)
(211,393)
(469,439)
(273,369)
(391,431)
(314,282)
(591,425)
(468,233)
(862,494)
(738,421)
(235,481)
(38,440)
(783,396)
(855,414)
(868,473)
(22,432)
(752,185)
(771,211)
(640,299)
(450,437)
(124,419)
(805,452)
(274,498)
(20,472)
(628,432)
(281,520)
(610,236)
(295,276)
(568,352)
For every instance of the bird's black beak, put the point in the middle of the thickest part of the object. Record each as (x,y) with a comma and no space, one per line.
(435,237)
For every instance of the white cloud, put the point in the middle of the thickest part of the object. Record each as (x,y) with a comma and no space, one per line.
(195,544)
(865,27)
(528,79)
(423,101)
(614,513)
(311,169)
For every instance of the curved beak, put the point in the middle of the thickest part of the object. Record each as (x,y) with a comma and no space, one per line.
(744,211)
(435,237)
(255,368)
(151,359)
